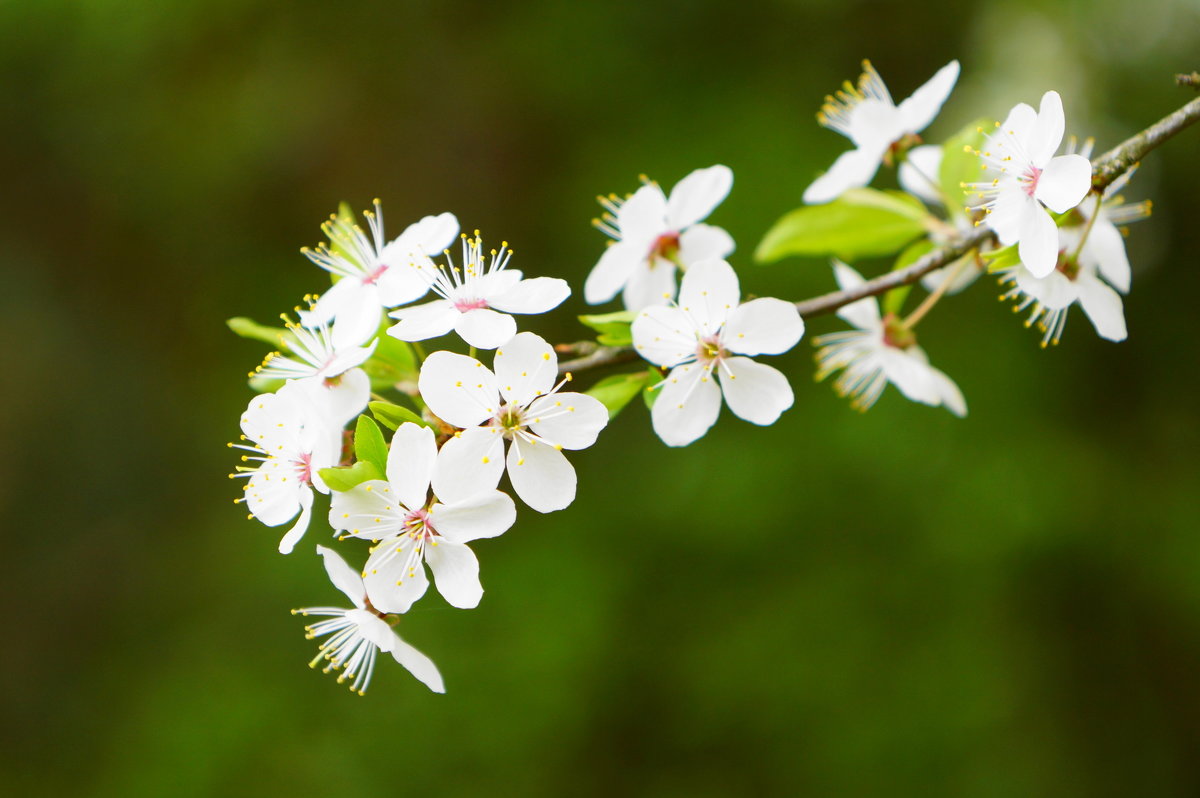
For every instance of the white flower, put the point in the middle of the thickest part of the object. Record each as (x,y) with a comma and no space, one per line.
(918,174)
(357,634)
(699,336)
(866,115)
(519,403)
(411,529)
(653,235)
(880,351)
(1029,180)
(374,273)
(316,352)
(471,297)
(291,443)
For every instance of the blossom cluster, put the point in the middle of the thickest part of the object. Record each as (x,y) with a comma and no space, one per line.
(417,454)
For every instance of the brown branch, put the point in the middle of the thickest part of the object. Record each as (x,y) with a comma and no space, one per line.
(1105,170)
(1192,80)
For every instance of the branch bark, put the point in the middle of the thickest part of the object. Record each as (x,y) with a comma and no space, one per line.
(1105,169)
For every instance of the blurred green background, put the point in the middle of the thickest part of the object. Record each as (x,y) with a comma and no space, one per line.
(893,604)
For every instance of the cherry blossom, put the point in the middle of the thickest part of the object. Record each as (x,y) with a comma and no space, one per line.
(519,403)
(412,529)
(357,634)
(654,234)
(314,352)
(866,114)
(704,334)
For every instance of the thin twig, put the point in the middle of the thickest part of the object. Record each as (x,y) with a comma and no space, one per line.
(1192,80)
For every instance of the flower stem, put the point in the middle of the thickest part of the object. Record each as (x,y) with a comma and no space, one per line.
(915,317)
(1087,230)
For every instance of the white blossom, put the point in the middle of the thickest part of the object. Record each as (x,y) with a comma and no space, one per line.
(703,339)
(357,634)
(866,115)
(519,403)
(374,273)
(880,351)
(411,529)
(1028,179)
(654,234)
(314,352)
(477,298)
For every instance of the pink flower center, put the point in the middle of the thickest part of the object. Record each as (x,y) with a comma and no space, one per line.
(374,276)
(1029,180)
(710,349)
(304,468)
(666,246)
(463,305)
(417,525)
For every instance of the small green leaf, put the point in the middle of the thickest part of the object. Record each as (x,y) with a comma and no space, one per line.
(961,165)
(1004,258)
(248,328)
(613,328)
(343,478)
(392,362)
(893,301)
(392,416)
(861,223)
(650,393)
(618,390)
(369,444)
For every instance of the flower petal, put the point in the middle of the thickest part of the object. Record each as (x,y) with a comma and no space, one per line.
(951,397)
(755,392)
(455,572)
(536,295)
(368,511)
(344,578)
(358,314)
(469,464)
(335,401)
(694,197)
(1064,182)
(1038,243)
(702,242)
(909,370)
(863,313)
(1103,306)
(1047,131)
(918,173)
(410,464)
(643,217)
(687,406)
(852,169)
(297,531)
(418,665)
(920,108)
(458,389)
(570,420)
(485,515)
(612,271)
(664,336)
(765,326)
(650,284)
(708,292)
(541,475)
(421,322)
(485,329)
(395,575)
(1055,290)
(525,367)
(1105,249)
(268,497)
(429,236)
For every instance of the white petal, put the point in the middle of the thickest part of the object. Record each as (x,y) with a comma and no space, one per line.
(909,370)
(708,292)
(1038,244)
(418,665)
(687,406)
(1105,248)
(458,389)
(570,420)
(395,579)
(694,197)
(951,397)
(918,173)
(344,578)
(329,303)
(485,329)
(863,313)
(613,270)
(1019,125)
(410,464)
(1007,212)
(1103,306)
(920,109)
(765,326)
(269,498)
(469,464)
(755,392)
(702,242)
(358,316)
(368,511)
(536,295)
(525,367)
(429,236)
(1055,290)
(664,336)
(1065,182)
(294,534)
(643,217)
(455,572)
(649,285)
(485,515)
(1047,131)
(335,401)
(403,282)
(852,169)
(421,322)
(347,359)
(541,475)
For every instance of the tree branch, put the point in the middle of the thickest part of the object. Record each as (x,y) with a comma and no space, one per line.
(1105,170)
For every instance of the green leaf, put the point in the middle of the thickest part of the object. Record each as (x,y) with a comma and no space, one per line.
(961,165)
(893,301)
(343,478)
(277,337)
(650,394)
(369,445)
(614,328)
(618,390)
(1004,258)
(392,362)
(861,223)
(392,416)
